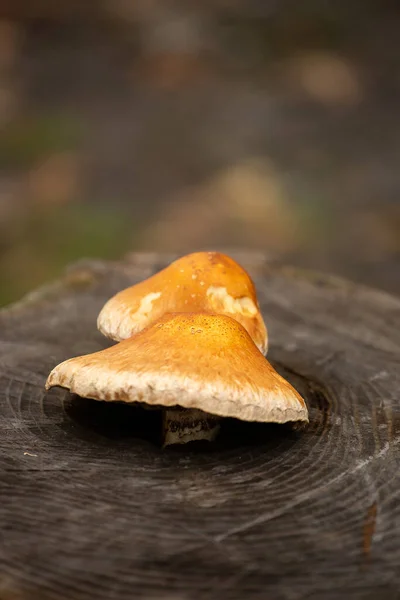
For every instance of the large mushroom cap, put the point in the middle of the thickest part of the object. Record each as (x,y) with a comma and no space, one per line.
(203,281)
(203,361)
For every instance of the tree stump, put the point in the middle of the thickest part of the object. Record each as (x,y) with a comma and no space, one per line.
(91,508)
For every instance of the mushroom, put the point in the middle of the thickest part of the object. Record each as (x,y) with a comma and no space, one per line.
(204,362)
(203,281)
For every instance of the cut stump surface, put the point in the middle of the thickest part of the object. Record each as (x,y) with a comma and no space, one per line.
(92,508)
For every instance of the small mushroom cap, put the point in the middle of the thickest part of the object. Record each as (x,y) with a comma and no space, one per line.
(203,281)
(203,361)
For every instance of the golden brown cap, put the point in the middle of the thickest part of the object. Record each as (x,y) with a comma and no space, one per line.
(203,281)
(204,361)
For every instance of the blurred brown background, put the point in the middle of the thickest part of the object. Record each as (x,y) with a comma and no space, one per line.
(156,124)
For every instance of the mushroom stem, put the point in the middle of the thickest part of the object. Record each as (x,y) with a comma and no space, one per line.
(182,425)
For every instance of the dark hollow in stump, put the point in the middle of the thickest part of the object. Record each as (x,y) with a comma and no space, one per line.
(92,508)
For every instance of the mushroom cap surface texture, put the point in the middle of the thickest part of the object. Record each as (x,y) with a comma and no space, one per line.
(203,361)
(203,281)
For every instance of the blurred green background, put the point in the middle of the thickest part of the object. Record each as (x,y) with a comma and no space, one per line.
(153,124)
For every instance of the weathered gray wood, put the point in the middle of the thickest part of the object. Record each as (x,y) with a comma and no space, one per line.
(92,508)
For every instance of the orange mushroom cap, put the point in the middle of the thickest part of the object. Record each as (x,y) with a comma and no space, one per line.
(203,281)
(203,361)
